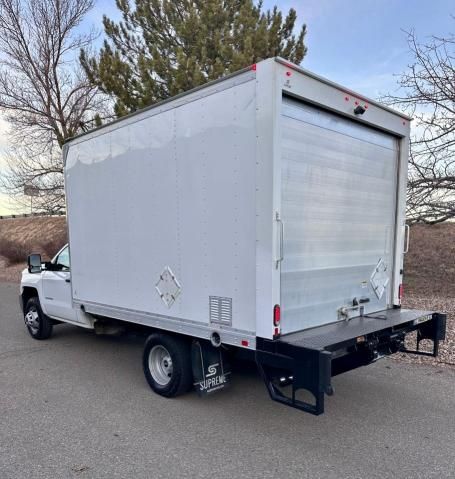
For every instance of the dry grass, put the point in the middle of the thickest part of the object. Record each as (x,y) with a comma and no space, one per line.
(21,236)
(429,281)
(429,268)
(13,251)
(10,274)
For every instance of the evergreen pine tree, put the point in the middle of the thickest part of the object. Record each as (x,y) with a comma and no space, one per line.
(164,47)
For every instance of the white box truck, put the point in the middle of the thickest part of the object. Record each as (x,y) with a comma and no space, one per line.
(263,213)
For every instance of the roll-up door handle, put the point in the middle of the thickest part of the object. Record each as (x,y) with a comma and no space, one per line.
(281,226)
(408,229)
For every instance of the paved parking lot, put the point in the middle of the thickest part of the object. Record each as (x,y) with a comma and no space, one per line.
(78,405)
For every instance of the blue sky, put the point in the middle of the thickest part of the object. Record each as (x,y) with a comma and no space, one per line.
(358,43)
(361,43)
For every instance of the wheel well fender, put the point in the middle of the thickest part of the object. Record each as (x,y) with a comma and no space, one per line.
(27,293)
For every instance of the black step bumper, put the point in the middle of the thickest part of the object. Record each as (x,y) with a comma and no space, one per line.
(308,359)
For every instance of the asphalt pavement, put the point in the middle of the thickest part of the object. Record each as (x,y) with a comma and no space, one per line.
(78,406)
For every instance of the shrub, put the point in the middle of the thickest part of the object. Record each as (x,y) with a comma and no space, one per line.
(21,236)
(15,251)
(51,246)
(18,246)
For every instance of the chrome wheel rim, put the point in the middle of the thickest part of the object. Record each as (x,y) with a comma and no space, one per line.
(160,365)
(32,320)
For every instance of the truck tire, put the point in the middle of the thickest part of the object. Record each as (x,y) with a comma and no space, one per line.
(38,324)
(167,364)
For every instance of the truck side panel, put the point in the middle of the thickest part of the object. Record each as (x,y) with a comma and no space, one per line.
(179,185)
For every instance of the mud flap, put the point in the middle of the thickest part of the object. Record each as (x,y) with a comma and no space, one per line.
(211,371)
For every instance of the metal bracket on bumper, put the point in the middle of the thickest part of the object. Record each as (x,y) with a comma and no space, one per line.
(307,360)
(309,370)
(435,330)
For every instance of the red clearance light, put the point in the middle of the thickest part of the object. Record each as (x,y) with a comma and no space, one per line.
(346,98)
(366,106)
(288,73)
(400,291)
(253,67)
(245,342)
(276,315)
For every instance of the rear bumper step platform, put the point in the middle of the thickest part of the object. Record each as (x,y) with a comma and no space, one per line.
(307,360)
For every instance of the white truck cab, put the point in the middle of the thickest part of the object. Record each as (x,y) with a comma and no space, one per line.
(46,290)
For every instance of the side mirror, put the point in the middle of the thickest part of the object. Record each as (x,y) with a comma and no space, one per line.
(34,263)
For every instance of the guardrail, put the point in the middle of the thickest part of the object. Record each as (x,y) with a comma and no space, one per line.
(30,215)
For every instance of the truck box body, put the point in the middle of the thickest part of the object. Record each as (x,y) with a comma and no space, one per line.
(264,212)
(265,188)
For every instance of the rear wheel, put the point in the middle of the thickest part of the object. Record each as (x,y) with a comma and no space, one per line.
(167,364)
(38,324)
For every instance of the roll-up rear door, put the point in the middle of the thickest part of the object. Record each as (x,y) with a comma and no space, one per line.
(338,208)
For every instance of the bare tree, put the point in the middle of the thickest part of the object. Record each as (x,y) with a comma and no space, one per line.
(28,166)
(429,96)
(44,94)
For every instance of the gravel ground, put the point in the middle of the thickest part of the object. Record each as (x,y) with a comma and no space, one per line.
(447,347)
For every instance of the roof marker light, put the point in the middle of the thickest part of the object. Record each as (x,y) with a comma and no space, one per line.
(288,73)
(346,98)
(253,67)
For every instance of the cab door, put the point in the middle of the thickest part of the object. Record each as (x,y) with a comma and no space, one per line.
(57,288)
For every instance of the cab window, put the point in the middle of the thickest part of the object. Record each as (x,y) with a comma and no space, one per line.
(63,259)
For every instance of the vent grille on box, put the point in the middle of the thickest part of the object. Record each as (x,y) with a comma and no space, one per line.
(220,310)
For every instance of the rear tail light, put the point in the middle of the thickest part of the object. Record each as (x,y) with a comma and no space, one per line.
(276,315)
(400,292)
(276,321)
